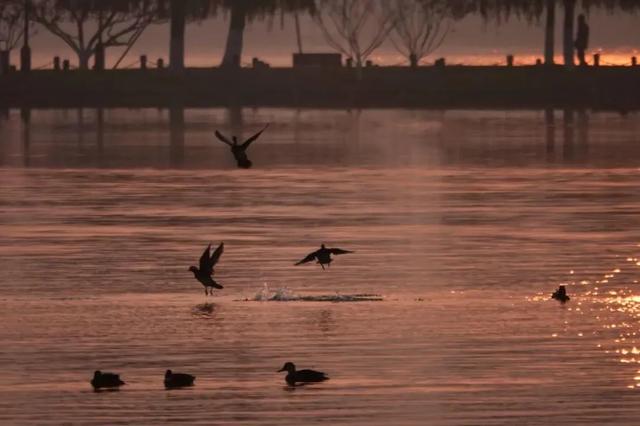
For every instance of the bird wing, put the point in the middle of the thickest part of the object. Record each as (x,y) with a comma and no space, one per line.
(204,259)
(222,138)
(337,251)
(249,141)
(310,258)
(311,376)
(215,257)
(212,283)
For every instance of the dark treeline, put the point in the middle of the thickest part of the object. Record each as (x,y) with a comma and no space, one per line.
(354,28)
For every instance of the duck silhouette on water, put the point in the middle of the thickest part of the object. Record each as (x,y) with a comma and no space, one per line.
(239,150)
(205,270)
(561,294)
(301,376)
(177,380)
(106,380)
(323,256)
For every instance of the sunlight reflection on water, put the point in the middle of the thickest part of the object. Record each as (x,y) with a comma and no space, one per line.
(463,224)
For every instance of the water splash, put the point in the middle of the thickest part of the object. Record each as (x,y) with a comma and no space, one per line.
(284,294)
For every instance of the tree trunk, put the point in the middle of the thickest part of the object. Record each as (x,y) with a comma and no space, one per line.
(233,51)
(5,62)
(83,60)
(99,57)
(178,26)
(413,60)
(569,24)
(298,35)
(550,31)
(25,52)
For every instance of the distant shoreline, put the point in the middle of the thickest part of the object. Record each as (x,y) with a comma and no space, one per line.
(451,87)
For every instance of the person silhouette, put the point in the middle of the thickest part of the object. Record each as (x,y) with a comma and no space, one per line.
(582,39)
(239,150)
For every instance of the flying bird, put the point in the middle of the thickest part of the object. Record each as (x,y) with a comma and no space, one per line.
(302,376)
(177,380)
(323,256)
(239,150)
(106,380)
(205,271)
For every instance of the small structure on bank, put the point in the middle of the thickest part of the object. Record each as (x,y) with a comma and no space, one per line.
(317,60)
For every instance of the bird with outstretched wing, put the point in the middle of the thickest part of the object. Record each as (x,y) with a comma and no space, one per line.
(323,256)
(204,271)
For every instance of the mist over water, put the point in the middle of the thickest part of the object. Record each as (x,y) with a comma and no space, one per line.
(462,223)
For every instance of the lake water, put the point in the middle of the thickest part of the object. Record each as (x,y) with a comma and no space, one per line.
(463,222)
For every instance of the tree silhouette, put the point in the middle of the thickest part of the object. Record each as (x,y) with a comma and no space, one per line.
(534,9)
(420,27)
(11,24)
(355,28)
(243,11)
(180,13)
(115,23)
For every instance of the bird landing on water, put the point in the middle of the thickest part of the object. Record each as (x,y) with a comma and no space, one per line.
(323,256)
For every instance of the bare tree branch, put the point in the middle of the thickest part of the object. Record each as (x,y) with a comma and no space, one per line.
(356,28)
(117,23)
(420,27)
(11,24)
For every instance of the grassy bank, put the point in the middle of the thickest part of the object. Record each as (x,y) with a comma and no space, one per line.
(615,88)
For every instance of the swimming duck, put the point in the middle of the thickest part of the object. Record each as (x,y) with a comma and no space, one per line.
(323,255)
(177,380)
(204,272)
(106,380)
(302,376)
(239,150)
(561,294)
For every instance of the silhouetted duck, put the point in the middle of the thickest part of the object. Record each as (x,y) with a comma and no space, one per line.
(177,380)
(204,272)
(561,294)
(106,380)
(302,376)
(239,150)
(323,255)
